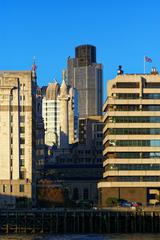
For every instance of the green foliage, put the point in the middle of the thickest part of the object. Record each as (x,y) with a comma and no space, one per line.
(112,201)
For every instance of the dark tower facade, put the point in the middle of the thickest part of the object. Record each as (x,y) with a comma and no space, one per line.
(86,75)
(85,55)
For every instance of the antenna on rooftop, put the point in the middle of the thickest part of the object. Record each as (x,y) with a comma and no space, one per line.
(34,68)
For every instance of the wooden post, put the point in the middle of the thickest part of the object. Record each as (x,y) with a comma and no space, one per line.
(108,222)
(152,222)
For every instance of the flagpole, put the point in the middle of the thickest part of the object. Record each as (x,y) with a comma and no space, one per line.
(144,65)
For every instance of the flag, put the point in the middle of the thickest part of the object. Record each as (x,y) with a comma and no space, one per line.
(147,59)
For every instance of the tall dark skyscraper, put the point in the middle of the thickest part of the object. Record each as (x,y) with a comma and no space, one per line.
(86,76)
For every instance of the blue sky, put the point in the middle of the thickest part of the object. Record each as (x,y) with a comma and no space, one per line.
(123,32)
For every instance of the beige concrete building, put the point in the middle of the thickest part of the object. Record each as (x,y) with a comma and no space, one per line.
(132,139)
(17,137)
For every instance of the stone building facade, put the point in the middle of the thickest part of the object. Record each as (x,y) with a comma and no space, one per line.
(17,138)
(60,114)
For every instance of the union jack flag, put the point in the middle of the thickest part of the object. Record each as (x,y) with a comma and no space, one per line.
(147,59)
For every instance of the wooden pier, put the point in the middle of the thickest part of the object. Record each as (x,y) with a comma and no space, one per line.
(79,221)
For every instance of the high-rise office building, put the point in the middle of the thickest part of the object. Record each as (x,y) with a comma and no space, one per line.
(86,76)
(17,137)
(132,139)
(60,114)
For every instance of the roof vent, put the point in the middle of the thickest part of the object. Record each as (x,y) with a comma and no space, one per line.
(119,71)
(154,71)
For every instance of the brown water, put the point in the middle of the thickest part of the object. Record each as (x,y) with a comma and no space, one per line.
(83,237)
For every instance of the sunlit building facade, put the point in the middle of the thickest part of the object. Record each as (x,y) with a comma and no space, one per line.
(60,115)
(132,139)
(17,138)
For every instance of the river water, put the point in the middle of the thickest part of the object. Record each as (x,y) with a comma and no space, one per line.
(83,237)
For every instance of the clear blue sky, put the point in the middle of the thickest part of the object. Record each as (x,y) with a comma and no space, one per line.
(123,32)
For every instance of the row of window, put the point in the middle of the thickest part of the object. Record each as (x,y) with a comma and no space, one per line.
(150,143)
(82,160)
(22,119)
(136,95)
(123,107)
(98,127)
(133,119)
(136,85)
(4,188)
(125,95)
(126,85)
(119,131)
(133,167)
(134,179)
(151,95)
(133,107)
(22,129)
(133,155)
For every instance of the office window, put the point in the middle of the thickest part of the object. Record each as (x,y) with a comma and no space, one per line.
(22,141)
(22,130)
(22,175)
(22,151)
(4,188)
(22,119)
(21,187)
(22,162)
